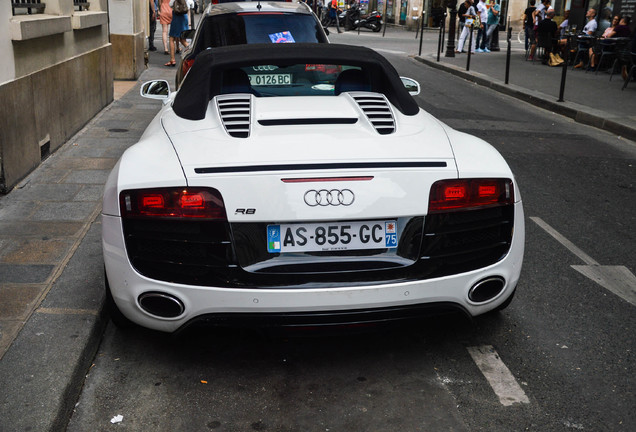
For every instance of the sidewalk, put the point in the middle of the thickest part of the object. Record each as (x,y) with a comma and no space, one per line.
(51,276)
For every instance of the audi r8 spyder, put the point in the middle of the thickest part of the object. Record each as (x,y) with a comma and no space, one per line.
(301,184)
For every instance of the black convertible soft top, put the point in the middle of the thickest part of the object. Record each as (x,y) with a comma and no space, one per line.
(203,82)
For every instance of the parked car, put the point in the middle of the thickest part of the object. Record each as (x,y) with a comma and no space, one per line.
(238,23)
(301,184)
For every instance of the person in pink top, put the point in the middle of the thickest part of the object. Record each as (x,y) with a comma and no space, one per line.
(165,18)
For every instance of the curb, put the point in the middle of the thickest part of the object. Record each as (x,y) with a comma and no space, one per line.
(576,112)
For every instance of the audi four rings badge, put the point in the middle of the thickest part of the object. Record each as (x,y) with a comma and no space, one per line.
(333,197)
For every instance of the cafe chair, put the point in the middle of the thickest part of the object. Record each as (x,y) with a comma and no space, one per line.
(584,43)
(608,51)
(544,47)
(631,73)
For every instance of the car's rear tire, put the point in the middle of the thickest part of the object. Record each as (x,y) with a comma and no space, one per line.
(116,316)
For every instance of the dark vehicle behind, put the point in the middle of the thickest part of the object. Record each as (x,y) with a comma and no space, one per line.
(240,23)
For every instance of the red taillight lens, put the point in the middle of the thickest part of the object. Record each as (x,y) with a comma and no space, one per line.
(469,193)
(186,65)
(204,203)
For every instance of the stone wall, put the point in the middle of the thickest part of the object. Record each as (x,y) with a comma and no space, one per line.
(42,110)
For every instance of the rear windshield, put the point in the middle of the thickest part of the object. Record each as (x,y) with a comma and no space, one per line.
(251,28)
(296,80)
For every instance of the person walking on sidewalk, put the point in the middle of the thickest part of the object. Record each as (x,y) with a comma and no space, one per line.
(528,24)
(482,11)
(178,25)
(538,15)
(165,18)
(469,19)
(333,14)
(152,16)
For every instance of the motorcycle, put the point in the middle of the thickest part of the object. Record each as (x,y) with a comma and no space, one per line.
(371,21)
(351,19)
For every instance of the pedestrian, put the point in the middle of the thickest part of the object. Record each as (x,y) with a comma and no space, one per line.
(461,11)
(538,15)
(334,13)
(152,15)
(482,10)
(528,24)
(178,25)
(493,23)
(165,18)
(469,19)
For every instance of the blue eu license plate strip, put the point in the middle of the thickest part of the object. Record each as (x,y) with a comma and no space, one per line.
(332,236)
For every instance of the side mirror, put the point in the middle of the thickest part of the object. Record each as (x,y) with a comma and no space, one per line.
(412,86)
(188,34)
(158,89)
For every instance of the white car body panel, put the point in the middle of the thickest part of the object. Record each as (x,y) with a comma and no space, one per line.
(254,173)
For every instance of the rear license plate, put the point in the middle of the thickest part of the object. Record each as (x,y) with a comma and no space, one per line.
(331,236)
(270,79)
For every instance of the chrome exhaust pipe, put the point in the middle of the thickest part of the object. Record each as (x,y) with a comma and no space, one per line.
(161,304)
(486,289)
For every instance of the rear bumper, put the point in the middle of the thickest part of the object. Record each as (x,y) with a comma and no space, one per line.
(371,302)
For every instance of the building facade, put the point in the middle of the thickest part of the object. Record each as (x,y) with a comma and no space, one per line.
(57,72)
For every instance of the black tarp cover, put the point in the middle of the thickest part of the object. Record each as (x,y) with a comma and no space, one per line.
(203,82)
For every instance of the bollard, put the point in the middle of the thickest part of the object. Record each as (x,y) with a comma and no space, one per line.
(470,48)
(421,32)
(564,71)
(508,53)
(440,39)
(384,17)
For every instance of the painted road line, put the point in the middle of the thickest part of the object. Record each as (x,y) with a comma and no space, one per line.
(565,242)
(498,375)
(616,279)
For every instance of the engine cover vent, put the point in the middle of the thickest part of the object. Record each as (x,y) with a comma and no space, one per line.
(377,110)
(235,111)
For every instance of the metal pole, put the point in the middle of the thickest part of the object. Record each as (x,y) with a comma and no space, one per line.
(470,48)
(564,71)
(450,48)
(444,29)
(385,21)
(421,32)
(508,52)
(440,39)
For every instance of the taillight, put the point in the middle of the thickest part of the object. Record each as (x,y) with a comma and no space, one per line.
(469,193)
(186,65)
(204,203)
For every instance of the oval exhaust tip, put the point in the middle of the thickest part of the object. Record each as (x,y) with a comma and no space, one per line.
(486,289)
(161,304)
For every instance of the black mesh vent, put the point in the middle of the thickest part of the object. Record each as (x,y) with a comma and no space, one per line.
(462,241)
(183,251)
(208,253)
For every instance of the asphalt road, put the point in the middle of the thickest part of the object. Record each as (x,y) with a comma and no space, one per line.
(561,357)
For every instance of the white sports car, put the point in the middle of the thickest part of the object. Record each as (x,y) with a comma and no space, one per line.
(301,184)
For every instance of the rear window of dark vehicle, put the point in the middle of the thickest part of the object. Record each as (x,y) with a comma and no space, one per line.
(250,28)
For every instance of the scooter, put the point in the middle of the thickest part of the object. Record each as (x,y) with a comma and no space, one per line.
(372,21)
